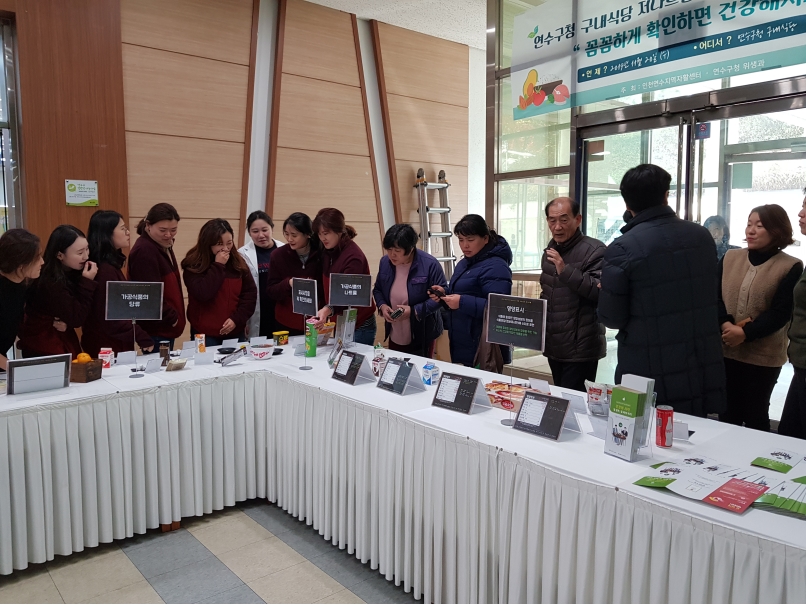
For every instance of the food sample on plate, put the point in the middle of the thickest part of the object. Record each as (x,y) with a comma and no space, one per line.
(505,396)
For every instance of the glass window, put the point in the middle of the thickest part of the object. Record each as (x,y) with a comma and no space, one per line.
(540,142)
(522,218)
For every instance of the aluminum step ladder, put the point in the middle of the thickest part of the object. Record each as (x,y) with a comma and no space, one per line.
(443,237)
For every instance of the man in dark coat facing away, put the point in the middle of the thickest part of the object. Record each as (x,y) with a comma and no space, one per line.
(659,289)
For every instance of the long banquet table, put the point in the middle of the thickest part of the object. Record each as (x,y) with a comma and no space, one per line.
(457,508)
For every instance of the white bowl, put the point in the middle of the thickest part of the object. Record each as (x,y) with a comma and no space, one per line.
(262,351)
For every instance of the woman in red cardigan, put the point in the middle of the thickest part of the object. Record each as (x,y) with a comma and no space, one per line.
(221,291)
(152,259)
(60,300)
(108,235)
(301,257)
(342,255)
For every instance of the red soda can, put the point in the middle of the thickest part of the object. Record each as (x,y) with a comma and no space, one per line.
(664,426)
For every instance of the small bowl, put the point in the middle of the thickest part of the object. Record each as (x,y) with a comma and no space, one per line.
(226,350)
(262,351)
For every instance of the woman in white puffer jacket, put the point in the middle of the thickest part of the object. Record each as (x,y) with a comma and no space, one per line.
(257,252)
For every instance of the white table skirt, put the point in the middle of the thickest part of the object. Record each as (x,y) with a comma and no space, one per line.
(447,516)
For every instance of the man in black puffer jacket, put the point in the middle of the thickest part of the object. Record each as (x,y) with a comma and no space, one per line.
(572,267)
(659,288)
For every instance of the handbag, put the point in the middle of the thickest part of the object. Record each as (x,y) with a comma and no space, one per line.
(488,355)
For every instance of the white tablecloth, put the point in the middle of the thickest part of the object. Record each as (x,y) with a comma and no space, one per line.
(456,508)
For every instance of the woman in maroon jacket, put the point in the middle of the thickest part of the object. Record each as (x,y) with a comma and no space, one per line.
(108,235)
(342,255)
(152,259)
(60,300)
(301,257)
(221,291)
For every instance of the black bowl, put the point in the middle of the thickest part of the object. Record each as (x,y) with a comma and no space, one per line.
(226,350)
(277,351)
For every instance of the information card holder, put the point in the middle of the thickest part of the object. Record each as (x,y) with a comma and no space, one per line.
(459,393)
(353,368)
(38,374)
(515,321)
(305,302)
(349,290)
(542,415)
(400,377)
(134,301)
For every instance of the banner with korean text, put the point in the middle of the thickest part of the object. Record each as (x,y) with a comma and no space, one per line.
(574,52)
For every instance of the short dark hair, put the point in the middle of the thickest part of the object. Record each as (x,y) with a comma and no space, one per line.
(473,224)
(18,249)
(777,224)
(645,186)
(401,236)
(570,200)
(258,215)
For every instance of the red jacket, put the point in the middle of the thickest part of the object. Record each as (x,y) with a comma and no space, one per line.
(219,294)
(97,332)
(285,264)
(148,261)
(71,303)
(346,258)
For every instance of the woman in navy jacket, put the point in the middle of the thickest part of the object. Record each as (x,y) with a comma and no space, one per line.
(483,270)
(404,276)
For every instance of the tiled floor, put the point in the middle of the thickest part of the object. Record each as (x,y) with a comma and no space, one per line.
(252,553)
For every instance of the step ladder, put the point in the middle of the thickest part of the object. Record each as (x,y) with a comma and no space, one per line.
(443,237)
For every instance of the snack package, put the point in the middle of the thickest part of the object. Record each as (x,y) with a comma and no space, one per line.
(505,396)
(598,397)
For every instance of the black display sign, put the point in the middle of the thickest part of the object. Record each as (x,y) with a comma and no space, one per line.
(459,393)
(133,300)
(516,321)
(542,415)
(399,374)
(352,367)
(303,296)
(348,290)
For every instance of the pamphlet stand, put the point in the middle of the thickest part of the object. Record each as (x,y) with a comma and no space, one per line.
(349,344)
(134,342)
(306,366)
(511,420)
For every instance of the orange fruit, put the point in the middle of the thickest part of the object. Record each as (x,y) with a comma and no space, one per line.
(83,358)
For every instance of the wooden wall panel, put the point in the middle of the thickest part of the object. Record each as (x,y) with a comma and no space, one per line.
(428,132)
(308,181)
(318,43)
(71,96)
(201,178)
(170,93)
(425,67)
(202,28)
(457,192)
(321,116)
(369,242)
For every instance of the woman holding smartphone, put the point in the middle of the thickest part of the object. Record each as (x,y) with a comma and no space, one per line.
(342,255)
(221,292)
(300,257)
(108,235)
(61,299)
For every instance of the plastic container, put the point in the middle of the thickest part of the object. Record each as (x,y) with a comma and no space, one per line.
(281,337)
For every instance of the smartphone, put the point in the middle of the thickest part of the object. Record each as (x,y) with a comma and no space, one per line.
(396,313)
(438,293)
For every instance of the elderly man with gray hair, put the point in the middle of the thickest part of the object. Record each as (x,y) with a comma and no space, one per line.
(572,268)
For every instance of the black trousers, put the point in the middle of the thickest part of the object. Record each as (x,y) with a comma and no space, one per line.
(748,389)
(573,374)
(793,418)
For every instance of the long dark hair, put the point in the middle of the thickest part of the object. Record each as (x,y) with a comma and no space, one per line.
(332,219)
(60,240)
(158,212)
(18,249)
(473,224)
(102,250)
(200,257)
(302,223)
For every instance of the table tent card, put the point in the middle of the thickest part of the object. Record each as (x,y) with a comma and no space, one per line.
(126,358)
(400,377)
(459,393)
(353,368)
(542,415)
(153,366)
(38,374)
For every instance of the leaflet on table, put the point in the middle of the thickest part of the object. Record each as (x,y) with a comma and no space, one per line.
(713,484)
(625,423)
(779,460)
(787,498)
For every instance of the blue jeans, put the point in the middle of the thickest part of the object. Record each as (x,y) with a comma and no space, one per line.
(365,334)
